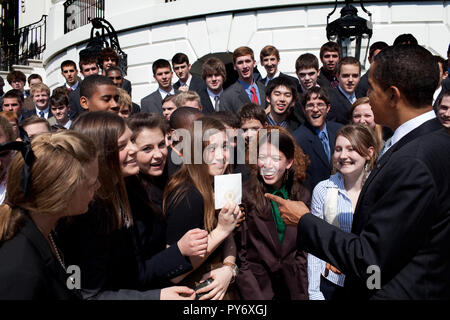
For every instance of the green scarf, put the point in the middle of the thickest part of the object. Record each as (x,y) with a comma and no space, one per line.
(279,223)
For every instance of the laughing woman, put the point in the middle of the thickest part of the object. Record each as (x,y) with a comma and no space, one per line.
(189,203)
(334,200)
(271,267)
(100,242)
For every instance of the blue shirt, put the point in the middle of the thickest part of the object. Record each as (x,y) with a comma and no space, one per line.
(316,267)
(249,93)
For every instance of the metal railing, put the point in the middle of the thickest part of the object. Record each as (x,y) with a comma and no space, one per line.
(78,13)
(25,43)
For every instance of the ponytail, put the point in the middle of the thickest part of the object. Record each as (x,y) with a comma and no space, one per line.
(11,221)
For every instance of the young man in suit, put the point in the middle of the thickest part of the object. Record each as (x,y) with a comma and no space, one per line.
(443,109)
(98,93)
(398,245)
(363,84)
(316,137)
(13,101)
(252,118)
(70,73)
(116,75)
(245,89)
(281,96)
(270,59)
(342,97)
(330,54)
(214,74)
(40,94)
(186,80)
(88,66)
(162,72)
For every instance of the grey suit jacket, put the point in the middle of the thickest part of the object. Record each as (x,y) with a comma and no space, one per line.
(152,103)
(235,97)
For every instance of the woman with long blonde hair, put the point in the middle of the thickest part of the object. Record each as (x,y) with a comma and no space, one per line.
(53,178)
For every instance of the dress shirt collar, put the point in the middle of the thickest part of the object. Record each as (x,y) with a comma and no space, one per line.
(74,87)
(410,125)
(46,112)
(318,131)
(188,82)
(164,93)
(275,76)
(212,95)
(350,97)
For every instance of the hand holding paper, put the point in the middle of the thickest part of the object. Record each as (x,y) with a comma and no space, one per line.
(227,188)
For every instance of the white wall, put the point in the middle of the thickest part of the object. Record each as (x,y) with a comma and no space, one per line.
(294,31)
(31,11)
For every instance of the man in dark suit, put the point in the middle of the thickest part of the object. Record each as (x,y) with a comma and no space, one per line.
(88,66)
(186,80)
(116,75)
(316,137)
(245,89)
(214,74)
(330,54)
(398,245)
(443,109)
(40,94)
(270,59)
(363,85)
(162,72)
(70,73)
(342,98)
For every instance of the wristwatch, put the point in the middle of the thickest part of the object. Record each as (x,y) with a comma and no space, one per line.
(234,269)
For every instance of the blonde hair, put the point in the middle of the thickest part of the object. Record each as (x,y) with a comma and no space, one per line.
(124,101)
(58,169)
(39,87)
(182,97)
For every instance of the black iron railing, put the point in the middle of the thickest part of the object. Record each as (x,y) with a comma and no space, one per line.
(78,13)
(24,43)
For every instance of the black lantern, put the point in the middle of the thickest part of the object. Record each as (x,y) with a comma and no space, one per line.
(351,32)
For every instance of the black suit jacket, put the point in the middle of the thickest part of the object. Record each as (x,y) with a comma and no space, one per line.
(401,223)
(340,106)
(74,102)
(363,85)
(29,270)
(320,168)
(32,112)
(206,102)
(294,80)
(197,84)
(235,97)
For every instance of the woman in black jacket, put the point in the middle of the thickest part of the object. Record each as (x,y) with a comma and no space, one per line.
(60,176)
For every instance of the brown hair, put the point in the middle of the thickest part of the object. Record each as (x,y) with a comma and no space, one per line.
(269,51)
(195,175)
(33,120)
(5,118)
(378,131)
(296,174)
(361,139)
(105,128)
(242,51)
(348,60)
(213,66)
(306,61)
(56,173)
(330,47)
(108,53)
(16,75)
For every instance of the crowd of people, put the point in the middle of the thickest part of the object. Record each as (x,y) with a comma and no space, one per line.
(340,172)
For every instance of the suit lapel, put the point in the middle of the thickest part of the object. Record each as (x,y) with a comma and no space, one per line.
(427,127)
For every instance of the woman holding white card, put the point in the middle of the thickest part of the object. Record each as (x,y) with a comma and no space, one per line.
(189,203)
(270,266)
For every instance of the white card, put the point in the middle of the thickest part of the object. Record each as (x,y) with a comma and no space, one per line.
(227,187)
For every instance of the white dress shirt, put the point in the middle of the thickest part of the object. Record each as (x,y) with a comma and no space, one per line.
(164,94)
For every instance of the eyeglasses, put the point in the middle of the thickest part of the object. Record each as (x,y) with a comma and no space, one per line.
(311,106)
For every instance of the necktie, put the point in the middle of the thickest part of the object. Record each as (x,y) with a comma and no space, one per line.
(254,95)
(216,103)
(41,114)
(387,145)
(326,146)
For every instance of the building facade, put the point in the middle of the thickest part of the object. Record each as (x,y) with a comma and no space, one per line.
(151,29)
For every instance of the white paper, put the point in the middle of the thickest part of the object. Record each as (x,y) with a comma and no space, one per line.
(227,187)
